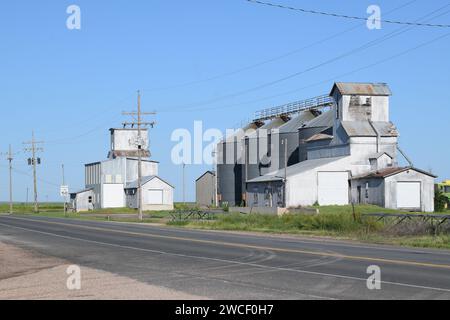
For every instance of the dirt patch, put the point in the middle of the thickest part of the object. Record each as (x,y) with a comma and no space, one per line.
(25,275)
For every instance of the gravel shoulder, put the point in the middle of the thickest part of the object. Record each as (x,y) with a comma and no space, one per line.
(25,275)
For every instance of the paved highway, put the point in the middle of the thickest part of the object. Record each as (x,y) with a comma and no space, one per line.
(221,265)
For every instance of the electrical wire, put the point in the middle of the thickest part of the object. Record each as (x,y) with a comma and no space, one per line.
(90,118)
(392,57)
(336,15)
(264,62)
(39,179)
(317,66)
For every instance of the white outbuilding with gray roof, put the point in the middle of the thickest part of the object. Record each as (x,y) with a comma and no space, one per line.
(157,194)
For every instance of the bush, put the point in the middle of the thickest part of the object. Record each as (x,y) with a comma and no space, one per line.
(440,200)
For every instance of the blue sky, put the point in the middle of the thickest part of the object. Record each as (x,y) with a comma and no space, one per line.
(71,86)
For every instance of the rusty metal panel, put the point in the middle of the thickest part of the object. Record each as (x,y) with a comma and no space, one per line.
(369,89)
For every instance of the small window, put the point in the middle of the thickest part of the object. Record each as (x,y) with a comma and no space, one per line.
(367,190)
(355,101)
(90,199)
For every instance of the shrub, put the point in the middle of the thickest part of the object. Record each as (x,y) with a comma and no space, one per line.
(440,200)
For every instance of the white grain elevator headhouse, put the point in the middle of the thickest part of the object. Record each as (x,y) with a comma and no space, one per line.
(113,183)
(347,154)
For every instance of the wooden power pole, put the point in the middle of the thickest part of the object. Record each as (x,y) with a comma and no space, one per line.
(10,158)
(140,143)
(184,184)
(285,142)
(34,161)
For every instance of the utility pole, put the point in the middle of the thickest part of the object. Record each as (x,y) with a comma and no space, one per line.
(285,142)
(184,185)
(10,158)
(140,143)
(63,175)
(214,154)
(63,185)
(34,161)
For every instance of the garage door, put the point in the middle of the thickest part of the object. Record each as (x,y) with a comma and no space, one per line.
(155,197)
(113,196)
(333,188)
(408,195)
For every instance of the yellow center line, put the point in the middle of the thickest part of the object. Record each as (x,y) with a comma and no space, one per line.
(247,246)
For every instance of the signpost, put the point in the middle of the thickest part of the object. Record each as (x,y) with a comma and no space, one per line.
(64,192)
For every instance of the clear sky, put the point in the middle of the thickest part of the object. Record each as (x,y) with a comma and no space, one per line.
(71,86)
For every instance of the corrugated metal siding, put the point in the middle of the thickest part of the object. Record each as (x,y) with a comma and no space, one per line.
(205,190)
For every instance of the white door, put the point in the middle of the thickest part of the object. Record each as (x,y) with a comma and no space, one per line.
(408,195)
(113,196)
(333,188)
(155,197)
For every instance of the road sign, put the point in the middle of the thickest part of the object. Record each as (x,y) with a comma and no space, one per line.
(64,191)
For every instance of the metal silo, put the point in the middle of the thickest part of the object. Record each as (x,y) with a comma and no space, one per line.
(258,152)
(289,132)
(230,167)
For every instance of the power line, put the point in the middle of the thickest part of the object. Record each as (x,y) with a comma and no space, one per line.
(392,57)
(317,66)
(28,174)
(336,15)
(77,124)
(82,135)
(279,57)
(39,179)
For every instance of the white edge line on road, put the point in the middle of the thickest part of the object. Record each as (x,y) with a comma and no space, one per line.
(228,261)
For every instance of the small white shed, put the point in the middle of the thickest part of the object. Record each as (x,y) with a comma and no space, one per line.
(157,194)
(402,188)
(83,200)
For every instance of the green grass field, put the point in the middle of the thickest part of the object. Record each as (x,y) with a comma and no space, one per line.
(25,208)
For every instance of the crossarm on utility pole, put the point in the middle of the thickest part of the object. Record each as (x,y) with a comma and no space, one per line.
(137,116)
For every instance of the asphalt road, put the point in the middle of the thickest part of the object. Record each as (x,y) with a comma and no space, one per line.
(221,265)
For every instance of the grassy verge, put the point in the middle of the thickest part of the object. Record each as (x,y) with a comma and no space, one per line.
(56,210)
(154,217)
(24,208)
(333,221)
